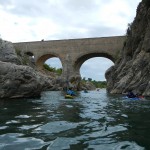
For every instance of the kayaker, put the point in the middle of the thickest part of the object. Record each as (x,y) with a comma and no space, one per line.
(70,92)
(130,94)
(139,96)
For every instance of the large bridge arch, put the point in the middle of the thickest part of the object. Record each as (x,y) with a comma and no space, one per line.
(79,61)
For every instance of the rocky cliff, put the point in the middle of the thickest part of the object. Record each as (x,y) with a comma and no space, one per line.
(132,70)
(17,80)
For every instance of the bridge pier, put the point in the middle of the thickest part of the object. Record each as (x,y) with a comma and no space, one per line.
(70,76)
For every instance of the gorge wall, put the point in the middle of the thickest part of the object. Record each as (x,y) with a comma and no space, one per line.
(132,69)
(20,78)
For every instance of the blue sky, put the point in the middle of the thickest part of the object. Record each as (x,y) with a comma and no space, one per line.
(34,20)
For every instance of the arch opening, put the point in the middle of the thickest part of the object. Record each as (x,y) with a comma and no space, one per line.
(28,59)
(85,57)
(29,54)
(95,68)
(50,65)
(92,68)
(93,71)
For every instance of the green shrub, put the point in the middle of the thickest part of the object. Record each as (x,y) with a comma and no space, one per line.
(47,67)
(24,61)
(98,84)
(18,52)
(129,33)
(59,71)
(53,69)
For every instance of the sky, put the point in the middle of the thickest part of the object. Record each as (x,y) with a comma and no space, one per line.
(35,20)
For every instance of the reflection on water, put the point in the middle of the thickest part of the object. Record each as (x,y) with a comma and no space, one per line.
(92,121)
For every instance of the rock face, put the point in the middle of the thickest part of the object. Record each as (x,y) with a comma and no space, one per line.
(7,52)
(18,80)
(132,70)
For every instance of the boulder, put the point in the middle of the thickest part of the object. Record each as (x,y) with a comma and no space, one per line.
(21,81)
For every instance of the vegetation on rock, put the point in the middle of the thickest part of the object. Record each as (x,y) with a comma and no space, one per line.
(53,69)
(97,84)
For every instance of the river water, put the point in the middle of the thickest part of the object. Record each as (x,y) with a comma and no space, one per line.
(92,121)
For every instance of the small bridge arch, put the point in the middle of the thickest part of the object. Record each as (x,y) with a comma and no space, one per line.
(41,59)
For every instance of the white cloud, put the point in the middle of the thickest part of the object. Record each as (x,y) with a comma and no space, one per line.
(60,19)
(65,19)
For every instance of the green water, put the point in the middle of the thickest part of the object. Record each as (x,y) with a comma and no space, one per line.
(91,121)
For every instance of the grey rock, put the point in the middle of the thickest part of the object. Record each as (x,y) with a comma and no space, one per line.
(7,52)
(21,81)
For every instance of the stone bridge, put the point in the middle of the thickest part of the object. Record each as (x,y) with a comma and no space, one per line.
(72,52)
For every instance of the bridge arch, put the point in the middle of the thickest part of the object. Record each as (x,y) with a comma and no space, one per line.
(80,60)
(41,60)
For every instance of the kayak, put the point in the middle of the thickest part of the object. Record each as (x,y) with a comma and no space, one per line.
(134,98)
(67,96)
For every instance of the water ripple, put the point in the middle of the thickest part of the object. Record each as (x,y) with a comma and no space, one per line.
(92,121)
